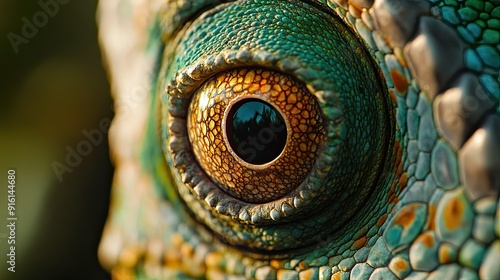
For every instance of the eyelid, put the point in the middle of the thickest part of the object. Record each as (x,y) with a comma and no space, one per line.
(204,39)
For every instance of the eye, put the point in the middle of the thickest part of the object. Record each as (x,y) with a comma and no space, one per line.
(255,133)
(275,143)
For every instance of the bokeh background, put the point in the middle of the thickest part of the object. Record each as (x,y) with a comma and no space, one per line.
(51,90)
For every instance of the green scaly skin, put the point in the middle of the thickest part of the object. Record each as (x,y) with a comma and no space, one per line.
(406,184)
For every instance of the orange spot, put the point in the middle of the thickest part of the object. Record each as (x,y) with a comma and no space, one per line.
(359,243)
(397,146)
(401,265)
(399,80)
(403,180)
(427,240)
(406,217)
(275,264)
(381,220)
(336,276)
(453,213)
(444,255)
(303,265)
(431,225)
(399,171)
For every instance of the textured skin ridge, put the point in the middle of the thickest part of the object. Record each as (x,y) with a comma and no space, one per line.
(438,214)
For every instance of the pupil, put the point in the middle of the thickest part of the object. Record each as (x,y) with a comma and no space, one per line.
(256,131)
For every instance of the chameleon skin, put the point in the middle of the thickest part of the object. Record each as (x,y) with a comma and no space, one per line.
(435,215)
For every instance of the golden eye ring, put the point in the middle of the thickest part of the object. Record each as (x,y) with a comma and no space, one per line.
(252,169)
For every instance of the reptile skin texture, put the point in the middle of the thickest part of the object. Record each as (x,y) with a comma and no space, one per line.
(390,115)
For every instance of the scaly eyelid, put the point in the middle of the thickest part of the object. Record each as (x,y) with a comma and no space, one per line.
(175,16)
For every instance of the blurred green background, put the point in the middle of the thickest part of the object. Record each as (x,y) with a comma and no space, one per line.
(52,89)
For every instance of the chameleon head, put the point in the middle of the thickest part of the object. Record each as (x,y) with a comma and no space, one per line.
(398,182)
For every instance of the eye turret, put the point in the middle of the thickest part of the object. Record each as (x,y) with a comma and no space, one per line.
(280,133)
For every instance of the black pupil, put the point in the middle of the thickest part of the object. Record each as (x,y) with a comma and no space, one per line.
(256,131)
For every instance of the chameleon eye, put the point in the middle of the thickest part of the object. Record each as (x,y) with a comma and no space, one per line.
(233,81)
(255,133)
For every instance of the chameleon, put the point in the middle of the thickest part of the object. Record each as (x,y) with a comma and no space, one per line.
(318,139)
